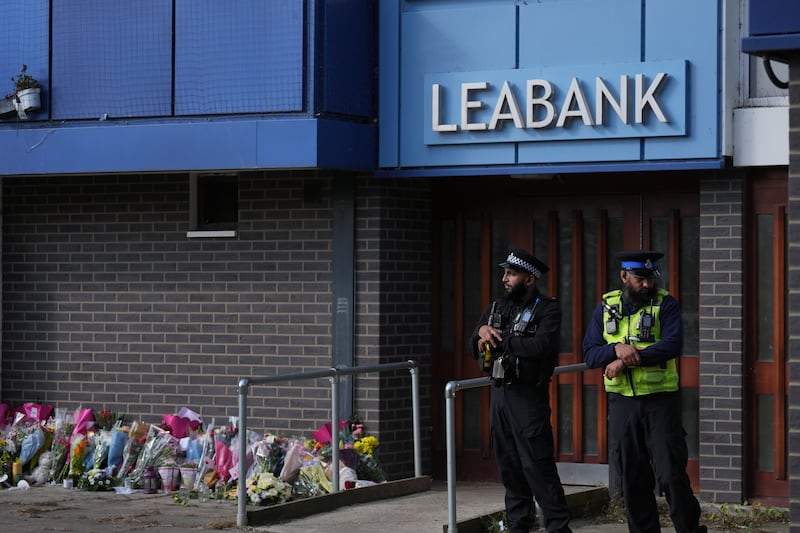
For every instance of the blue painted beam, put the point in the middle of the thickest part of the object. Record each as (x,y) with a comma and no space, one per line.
(110,147)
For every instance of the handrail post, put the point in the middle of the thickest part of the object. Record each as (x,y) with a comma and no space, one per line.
(335,428)
(241,513)
(415,418)
(334,374)
(450,394)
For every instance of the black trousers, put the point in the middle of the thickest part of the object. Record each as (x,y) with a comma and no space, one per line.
(522,439)
(647,439)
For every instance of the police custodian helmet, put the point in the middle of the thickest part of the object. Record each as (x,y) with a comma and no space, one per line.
(519,259)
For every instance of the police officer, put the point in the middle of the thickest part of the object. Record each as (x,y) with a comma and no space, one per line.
(519,333)
(635,336)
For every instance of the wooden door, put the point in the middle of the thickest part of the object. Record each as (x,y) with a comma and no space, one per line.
(576,234)
(766,377)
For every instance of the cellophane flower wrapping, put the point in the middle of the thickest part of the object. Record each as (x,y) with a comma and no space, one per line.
(294,458)
(158,446)
(206,464)
(223,456)
(36,412)
(32,443)
(102,444)
(63,424)
(268,455)
(252,438)
(77,454)
(116,449)
(266,489)
(84,421)
(137,435)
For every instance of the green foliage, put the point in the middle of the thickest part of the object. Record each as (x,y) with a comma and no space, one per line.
(727,517)
(23,80)
(495,523)
(749,517)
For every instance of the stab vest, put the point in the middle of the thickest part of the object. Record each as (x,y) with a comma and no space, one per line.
(638,380)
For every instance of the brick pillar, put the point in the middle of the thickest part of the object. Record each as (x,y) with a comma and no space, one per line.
(721,339)
(793,298)
(393,319)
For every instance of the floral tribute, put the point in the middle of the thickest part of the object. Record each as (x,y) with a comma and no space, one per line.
(99,450)
(266,489)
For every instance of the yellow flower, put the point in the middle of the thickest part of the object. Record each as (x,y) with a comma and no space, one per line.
(366,446)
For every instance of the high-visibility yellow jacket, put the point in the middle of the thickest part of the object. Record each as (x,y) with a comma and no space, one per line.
(638,380)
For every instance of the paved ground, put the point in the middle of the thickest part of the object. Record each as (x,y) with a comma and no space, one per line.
(55,509)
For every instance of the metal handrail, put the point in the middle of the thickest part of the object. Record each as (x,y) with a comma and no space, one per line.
(334,374)
(450,394)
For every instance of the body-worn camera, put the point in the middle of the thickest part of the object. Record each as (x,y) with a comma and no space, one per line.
(614,317)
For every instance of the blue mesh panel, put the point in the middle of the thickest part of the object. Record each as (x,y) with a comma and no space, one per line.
(238,56)
(112,57)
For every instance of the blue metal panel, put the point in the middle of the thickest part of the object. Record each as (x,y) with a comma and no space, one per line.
(451,39)
(571,33)
(775,46)
(346,145)
(185,146)
(348,46)
(701,49)
(25,30)
(608,167)
(773,17)
(238,56)
(458,39)
(111,58)
(389,87)
(579,32)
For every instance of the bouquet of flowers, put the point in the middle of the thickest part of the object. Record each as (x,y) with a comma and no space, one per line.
(102,442)
(95,479)
(105,419)
(7,451)
(223,457)
(77,454)
(157,448)
(311,481)
(137,435)
(268,455)
(60,449)
(368,467)
(266,489)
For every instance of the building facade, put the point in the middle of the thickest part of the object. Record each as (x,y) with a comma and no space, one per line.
(261,190)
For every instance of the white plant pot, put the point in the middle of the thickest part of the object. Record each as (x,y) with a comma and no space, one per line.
(29,99)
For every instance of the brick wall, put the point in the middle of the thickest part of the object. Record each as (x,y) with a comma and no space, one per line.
(721,339)
(107,303)
(393,287)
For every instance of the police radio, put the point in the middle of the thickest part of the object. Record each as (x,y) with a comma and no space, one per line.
(645,324)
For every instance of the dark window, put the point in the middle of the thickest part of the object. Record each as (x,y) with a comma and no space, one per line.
(217,202)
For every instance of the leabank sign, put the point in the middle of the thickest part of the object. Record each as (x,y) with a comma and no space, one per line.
(557,103)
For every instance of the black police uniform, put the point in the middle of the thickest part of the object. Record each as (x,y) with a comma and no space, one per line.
(521,435)
(646,438)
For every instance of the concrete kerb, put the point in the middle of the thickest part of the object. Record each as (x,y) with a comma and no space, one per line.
(329,502)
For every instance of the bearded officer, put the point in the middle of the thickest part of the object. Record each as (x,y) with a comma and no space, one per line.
(521,332)
(635,336)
